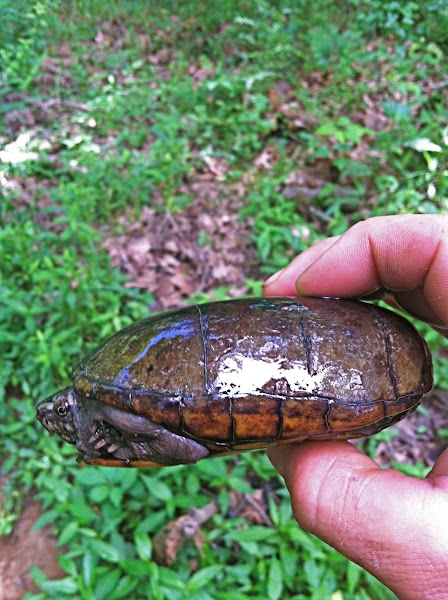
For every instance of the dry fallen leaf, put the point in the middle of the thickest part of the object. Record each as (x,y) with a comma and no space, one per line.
(102,39)
(266,159)
(168,542)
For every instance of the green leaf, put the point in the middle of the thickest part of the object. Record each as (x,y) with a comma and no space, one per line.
(143,545)
(129,479)
(275,580)
(61,586)
(106,583)
(99,493)
(135,567)
(158,488)
(256,533)
(83,512)
(250,548)
(289,561)
(45,519)
(90,476)
(240,485)
(313,573)
(68,565)
(68,533)
(88,567)
(204,576)
(354,572)
(104,550)
(152,522)
(124,587)
(116,496)
(326,129)
(397,110)
(38,576)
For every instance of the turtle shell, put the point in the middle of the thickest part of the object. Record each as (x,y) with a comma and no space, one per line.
(248,373)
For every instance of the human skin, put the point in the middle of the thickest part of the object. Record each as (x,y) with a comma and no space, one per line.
(393,525)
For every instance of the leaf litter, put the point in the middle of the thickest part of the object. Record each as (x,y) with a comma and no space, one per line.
(177,255)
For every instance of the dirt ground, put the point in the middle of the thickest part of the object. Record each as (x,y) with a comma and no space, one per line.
(24,548)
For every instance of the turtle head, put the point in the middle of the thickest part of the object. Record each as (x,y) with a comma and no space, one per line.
(58,415)
(107,435)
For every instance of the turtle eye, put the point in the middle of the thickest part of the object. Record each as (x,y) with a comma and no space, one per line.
(62,410)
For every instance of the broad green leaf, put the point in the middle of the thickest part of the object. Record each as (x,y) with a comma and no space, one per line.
(143,545)
(313,573)
(45,519)
(88,567)
(68,565)
(106,583)
(68,533)
(124,587)
(98,493)
(256,533)
(158,488)
(104,550)
(204,576)
(354,572)
(91,476)
(136,568)
(275,580)
(116,496)
(55,588)
(83,512)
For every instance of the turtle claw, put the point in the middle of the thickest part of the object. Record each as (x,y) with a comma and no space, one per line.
(100,444)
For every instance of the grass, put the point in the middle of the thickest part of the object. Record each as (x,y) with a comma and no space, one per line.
(143,106)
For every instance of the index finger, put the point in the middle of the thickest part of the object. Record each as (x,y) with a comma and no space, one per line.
(404,254)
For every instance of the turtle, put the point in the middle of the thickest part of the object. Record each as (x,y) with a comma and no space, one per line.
(223,377)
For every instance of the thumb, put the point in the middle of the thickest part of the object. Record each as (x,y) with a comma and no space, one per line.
(394,526)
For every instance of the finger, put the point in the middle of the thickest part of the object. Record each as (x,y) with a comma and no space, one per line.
(283,283)
(415,303)
(376,518)
(401,253)
(439,472)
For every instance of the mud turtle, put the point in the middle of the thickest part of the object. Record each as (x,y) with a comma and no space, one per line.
(237,375)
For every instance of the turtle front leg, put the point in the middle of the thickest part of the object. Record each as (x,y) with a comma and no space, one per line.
(113,432)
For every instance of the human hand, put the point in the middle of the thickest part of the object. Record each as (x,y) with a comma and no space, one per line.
(393,525)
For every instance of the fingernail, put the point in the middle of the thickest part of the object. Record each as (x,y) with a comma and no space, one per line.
(273,278)
(298,285)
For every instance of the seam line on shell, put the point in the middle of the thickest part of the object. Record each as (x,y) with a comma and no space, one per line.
(203,328)
(179,396)
(280,419)
(326,415)
(390,367)
(232,418)
(305,341)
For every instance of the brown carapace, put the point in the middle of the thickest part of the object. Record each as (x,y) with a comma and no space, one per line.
(237,375)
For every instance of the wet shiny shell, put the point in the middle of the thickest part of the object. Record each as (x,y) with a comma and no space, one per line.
(249,373)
